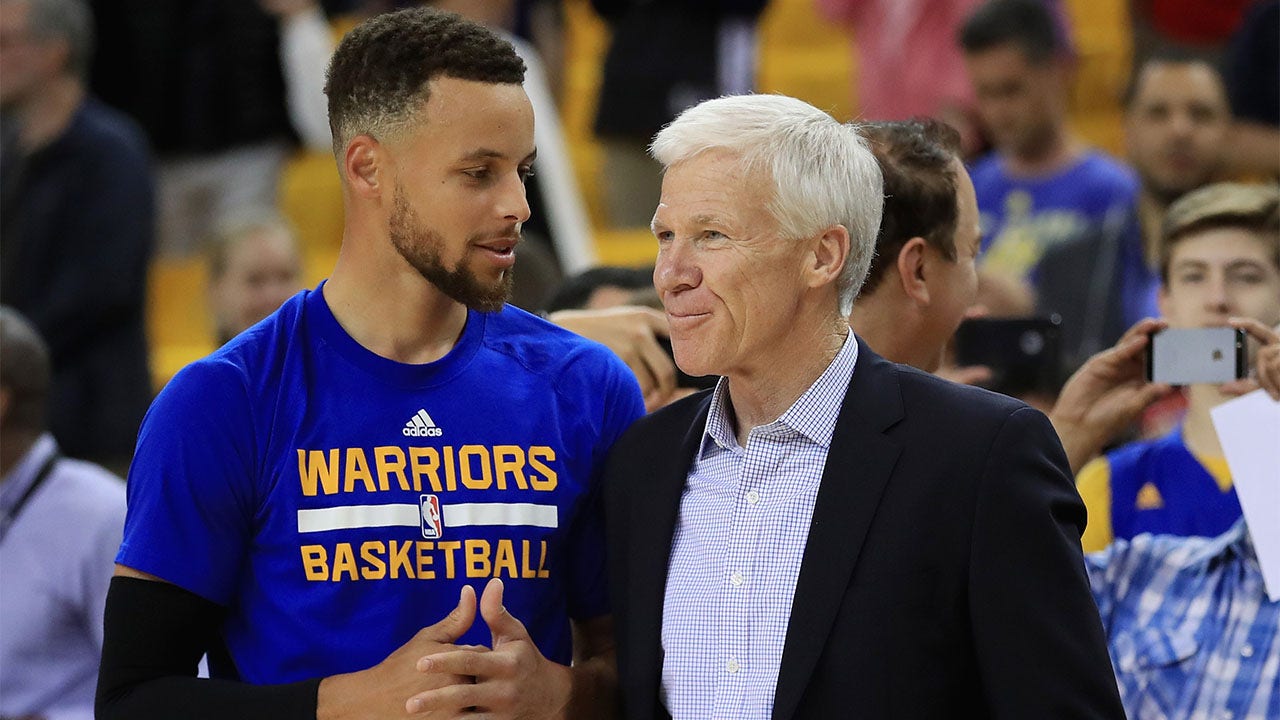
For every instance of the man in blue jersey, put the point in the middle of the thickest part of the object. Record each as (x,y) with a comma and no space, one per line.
(309,500)
(1042,185)
(1220,265)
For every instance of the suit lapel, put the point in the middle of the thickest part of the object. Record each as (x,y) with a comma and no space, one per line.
(858,467)
(653,513)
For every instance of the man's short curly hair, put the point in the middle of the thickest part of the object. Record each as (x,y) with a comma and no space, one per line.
(379,75)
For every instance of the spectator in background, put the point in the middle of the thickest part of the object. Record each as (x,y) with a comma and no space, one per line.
(60,522)
(907,61)
(76,215)
(1042,185)
(224,89)
(253,267)
(1220,264)
(663,56)
(1176,127)
(1189,626)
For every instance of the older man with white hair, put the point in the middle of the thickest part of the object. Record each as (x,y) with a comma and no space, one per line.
(826,533)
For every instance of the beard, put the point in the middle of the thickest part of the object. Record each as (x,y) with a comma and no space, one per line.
(421,246)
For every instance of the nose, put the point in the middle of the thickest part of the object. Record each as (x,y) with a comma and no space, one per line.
(1217,296)
(676,268)
(513,201)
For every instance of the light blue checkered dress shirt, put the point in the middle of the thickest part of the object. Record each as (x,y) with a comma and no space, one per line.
(1191,632)
(736,553)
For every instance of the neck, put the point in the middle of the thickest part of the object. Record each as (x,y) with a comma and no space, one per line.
(1059,150)
(1197,429)
(387,306)
(761,394)
(14,444)
(881,319)
(45,116)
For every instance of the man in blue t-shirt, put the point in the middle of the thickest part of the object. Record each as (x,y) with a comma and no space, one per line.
(1041,186)
(307,501)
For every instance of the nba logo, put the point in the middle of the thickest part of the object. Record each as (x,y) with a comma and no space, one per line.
(432,526)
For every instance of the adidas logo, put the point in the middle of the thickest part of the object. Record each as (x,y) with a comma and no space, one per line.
(421,425)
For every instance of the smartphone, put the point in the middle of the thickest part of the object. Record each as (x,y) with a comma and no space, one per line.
(1024,354)
(684,379)
(1187,356)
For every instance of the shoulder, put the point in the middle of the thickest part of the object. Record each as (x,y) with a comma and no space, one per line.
(1101,167)
(665,427)
(986,170)
(948,400)
(102,130)
(1134,563)
(543,348)
(88,501)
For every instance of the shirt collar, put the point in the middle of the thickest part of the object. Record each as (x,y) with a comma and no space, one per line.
(1235,541)
(812,415)
(15,484)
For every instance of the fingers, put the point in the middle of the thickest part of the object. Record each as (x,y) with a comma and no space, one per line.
(457,622)
(1267,370)
(1256,330)
(450,699)
(658,365)
(503,625)
(1236,388)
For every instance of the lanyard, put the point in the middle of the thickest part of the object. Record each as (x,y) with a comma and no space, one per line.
(10,517)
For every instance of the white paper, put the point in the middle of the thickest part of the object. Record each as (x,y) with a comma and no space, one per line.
(1249,430)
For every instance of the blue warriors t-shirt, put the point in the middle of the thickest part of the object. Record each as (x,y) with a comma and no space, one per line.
(335,501)
(1022,217)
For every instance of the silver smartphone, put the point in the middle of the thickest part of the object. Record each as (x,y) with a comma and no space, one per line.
(1197,355)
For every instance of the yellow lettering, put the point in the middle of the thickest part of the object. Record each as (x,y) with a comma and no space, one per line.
(376,569)
(526,554)
(317,471)
(464,459)
(478,558)
(450,476)
(542,562)
(451,547)
(547,482)
(390,459)
(509,459)
(424,560)
(431,467)
(400,559)
(357,467)
(505,558)
(315,561)
(344,561)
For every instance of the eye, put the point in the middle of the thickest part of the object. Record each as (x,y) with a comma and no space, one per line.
(525,173)
(713,235)
(480,174)
(664,236)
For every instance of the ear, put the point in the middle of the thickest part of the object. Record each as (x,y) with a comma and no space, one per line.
(830,253)
(364,166)
(911,270)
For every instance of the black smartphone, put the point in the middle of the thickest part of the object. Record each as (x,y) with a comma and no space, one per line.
(684,379)
(1187,356)
(1024,354)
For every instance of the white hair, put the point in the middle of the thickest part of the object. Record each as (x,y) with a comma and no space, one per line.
(823,172)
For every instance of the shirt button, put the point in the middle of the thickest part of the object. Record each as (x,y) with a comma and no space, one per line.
(732,666)
(737,579)
(753,497)
(1246,651)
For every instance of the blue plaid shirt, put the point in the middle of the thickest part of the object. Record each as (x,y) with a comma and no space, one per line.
(737,548)
(1191,632)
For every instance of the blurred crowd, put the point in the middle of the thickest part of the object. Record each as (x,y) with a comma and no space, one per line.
(137,137)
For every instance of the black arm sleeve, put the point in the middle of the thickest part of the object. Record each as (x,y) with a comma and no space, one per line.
(154,636)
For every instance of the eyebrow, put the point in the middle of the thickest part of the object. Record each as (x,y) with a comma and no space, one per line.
(488,154)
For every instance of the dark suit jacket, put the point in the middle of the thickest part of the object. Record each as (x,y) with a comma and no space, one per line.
(942,577)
